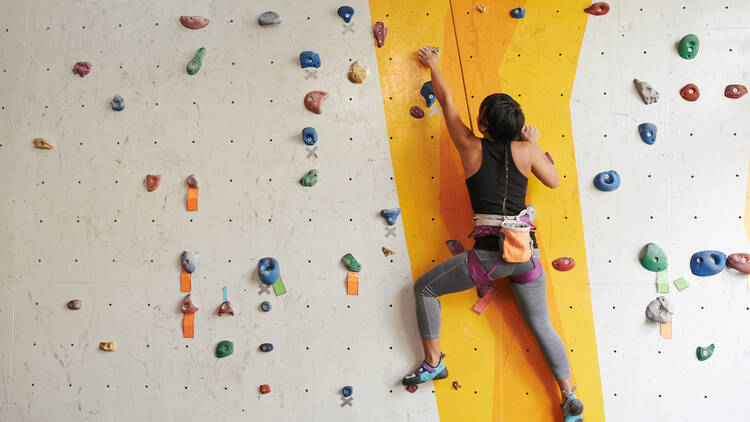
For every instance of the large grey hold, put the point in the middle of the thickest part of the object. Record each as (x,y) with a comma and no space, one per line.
(659,310)
(269,18)
(189,261)
(646,91)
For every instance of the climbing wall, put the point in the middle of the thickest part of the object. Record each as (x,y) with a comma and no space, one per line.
(80,224)
(686,193)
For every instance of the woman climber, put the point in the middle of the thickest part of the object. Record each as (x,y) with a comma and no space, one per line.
(496,167)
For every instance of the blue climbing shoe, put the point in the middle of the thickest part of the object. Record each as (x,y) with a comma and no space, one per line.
(425,372)
(573,408)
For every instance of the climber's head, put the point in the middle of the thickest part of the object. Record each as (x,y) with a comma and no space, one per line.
(500,118)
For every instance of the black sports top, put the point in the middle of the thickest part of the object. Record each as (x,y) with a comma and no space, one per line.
(487,187)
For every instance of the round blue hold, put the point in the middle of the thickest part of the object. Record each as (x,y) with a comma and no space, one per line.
(118,103)
(266,347)
(268,270)
(265,306)
(647,132)
(607,181)
(309,136)
(347,391)
(518,13)
(346,13)
(705,263)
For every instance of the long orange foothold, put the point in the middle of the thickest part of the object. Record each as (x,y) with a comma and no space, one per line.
(352,283)
(192,199)
(666,330)
(185,285)
(188,322)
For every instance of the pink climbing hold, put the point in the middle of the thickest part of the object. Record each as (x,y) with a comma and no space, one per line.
(314,101)
(412,388)
(597,9)
(194,22)
(192,181)
(740,262)
(416,112)
(226,308)
(74,304)
(82,68)
(380,31)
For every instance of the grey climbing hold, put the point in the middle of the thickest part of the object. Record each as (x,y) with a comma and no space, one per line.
(189,261)
(269,18)
(118,103)
(310,179)
(646,91)
(660,310)
(195,65)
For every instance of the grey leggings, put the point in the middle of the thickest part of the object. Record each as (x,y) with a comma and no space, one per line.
(453,276)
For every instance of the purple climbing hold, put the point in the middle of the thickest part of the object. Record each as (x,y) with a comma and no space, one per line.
(309,59)
(82,68)
(416,112)
(346,13)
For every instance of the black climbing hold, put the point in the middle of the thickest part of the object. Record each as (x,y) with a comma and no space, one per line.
(346,13)
(518,13)
(266,347)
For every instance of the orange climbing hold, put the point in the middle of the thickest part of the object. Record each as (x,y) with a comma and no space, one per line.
(352,283)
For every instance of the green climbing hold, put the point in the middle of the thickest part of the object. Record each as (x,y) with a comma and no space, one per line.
(351,263)
(310,179)
(653,258)
(705,352)
(195,65)
(224,349)
(688,47)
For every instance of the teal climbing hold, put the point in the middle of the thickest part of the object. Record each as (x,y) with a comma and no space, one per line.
(653,258)
(688,46)
(310,179)
(704,353)
(195,65)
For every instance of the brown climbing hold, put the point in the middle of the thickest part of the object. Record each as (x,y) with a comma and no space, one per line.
(740,262)
(82,68)
(380,31)
(108,346)
(314,100)
(386,251)
(357,73)
(226,308)
(187,306)
(192,181)
(597,9)
(193,22)
(42,143)
(735,91)
(74,304)
(152,181)
(416,112)
(690,92)
(456,385)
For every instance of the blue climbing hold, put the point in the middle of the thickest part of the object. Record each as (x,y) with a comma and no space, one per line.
(518,13)
(265,306)
(266,347)
(705,263)
(391,215)
(347,391)
(269,18)
(268,270)
(428,94)
(310,136)
(189,261)
(607,181)
(648,132)
(309,59)
(118,103)
(346,13)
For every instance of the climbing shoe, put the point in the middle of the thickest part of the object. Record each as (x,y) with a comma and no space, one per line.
(572,408)
(425,372)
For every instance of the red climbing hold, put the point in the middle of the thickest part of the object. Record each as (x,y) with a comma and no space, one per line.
(193,22)
(82,68)
(565,263)
(265,389)
(416,112)
(187,306)
(74,304)
(735,91)
(380,31)
(412,388)
(314,100)
(226,308)
(740,262)
(690,92)
(152,181)
(597,9)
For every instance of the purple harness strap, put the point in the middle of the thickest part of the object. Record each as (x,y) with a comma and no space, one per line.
(482,277)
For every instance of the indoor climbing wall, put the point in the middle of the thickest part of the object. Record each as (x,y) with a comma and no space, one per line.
(80,223)
(686,193)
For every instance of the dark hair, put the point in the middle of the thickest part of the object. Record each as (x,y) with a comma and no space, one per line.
(502,116)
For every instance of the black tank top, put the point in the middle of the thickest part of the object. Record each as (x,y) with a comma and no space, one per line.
(487,187)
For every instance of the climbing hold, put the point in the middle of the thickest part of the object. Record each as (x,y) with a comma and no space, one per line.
(646,91)
(740,262)
(310,179)
(481,9)
(688,46)
(390,215)
(564,263)
(189,261)
(42,143)
(74,304)
(224,349)
(152,181)
(193,22)
(428,94)
(351,263)
(597,9)
(380,31)
(118,103)
(347,391)
(309,136)
(607,181)
(386,251)
(653,258)
(226,308)
(456,385)
(648,132)
(735,91)
(412,388)
(346,13)
(357,73)
(705,263)
(265,389)
(82,68)
(195,65)
(266,347)
(268,270)
(518,13)
(660,310)
(269,18)
(192,181)
(108,346)
(416,112)
(265,306)
(690,92)
(314,100)
(704,353)
(187,306)
(309,59)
